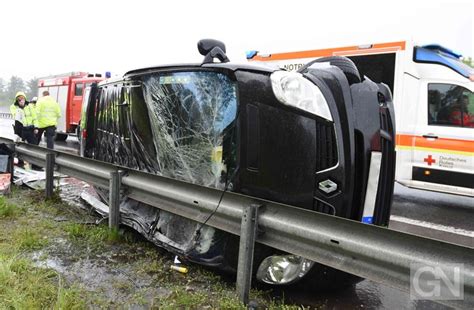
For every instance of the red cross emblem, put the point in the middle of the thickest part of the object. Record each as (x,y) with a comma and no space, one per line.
(429,160)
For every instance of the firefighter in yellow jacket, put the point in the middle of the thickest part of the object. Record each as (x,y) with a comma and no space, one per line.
(26,122)
(48,113)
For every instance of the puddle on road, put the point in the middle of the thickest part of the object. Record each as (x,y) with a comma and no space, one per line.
(364,295)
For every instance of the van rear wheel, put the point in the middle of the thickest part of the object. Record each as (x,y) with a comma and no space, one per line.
(345,64)
(61,137)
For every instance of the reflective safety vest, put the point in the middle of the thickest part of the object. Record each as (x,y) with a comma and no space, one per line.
(26,116)
(461,118)
(48,112)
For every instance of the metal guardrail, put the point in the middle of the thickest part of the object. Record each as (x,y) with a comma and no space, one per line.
(6,115)
(368,251)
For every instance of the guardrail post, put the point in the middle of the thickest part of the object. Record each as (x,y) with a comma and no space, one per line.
(114,198)
(50,159)
(248,234)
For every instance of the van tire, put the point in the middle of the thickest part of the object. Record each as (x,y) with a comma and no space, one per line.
(324,278)
(61,137)
(320,278)
(345,64)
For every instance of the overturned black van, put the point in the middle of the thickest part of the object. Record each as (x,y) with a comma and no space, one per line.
(321,139)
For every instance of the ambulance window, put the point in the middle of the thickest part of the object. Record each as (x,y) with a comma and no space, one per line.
(450,105)
(78,89)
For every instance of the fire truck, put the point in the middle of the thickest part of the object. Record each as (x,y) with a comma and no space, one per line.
(68,89)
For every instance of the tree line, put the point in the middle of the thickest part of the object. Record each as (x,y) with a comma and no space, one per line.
(9,88)
(468,61)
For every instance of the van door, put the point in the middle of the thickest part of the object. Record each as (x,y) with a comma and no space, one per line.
(444,139)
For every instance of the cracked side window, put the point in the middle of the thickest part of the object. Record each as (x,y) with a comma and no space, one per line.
(122,134)
(192,117)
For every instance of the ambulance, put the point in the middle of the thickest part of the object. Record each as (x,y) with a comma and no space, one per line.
(434,107)
(67,89)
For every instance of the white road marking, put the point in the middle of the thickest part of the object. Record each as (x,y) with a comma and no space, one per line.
(433,226)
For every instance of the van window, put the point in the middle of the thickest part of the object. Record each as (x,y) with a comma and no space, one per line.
(122,128)
(140,132)
(450,105)
(180,125)
(78,89)
(192,116)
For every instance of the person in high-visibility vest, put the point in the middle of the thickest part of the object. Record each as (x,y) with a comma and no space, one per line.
(33,105)
(26,123)
(48,112)
(24,114)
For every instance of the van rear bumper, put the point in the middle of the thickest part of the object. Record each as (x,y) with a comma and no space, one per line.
(456,190)
(444,177)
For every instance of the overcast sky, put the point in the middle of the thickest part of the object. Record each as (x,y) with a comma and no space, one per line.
(46,37)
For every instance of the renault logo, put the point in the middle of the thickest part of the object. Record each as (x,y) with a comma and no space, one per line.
(327,186)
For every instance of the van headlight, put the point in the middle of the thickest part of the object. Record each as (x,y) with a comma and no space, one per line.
(283,269)
(292,89)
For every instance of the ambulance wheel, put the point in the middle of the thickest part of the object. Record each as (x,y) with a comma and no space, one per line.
(61,137)
(345,64)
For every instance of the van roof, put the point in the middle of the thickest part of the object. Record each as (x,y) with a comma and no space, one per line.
(228,66)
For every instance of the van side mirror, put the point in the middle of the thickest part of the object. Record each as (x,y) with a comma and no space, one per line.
(211,49)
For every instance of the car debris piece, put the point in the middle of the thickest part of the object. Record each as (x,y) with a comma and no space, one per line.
(98,205)
(180,269)
(31,178)
(5,183)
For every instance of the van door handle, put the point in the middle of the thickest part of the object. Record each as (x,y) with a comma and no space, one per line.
(430,136)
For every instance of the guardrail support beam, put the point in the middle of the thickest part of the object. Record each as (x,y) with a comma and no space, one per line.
(50,159)
(114,199)
(248,234)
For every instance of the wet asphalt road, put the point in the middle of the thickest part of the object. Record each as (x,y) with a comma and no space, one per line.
(436,208)
(435,215)
(364,295)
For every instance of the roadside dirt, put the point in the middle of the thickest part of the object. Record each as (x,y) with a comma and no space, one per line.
(116,270)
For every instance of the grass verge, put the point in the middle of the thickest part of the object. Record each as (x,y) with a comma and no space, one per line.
(25,228)
(23,286)
(106,268)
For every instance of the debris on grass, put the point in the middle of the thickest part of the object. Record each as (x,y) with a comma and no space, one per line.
(74,263)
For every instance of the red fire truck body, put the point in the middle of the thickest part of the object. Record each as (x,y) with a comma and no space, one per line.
(67,89)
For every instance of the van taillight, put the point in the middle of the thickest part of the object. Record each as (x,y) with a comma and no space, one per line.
(84,134)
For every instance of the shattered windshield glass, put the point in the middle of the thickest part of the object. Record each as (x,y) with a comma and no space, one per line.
(192,115)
